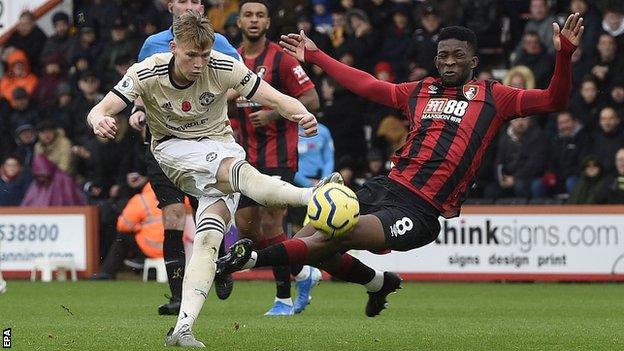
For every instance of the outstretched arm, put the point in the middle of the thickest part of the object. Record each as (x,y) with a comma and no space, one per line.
(287,106)
(359,82)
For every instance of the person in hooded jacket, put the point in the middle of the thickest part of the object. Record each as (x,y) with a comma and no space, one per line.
(51,186)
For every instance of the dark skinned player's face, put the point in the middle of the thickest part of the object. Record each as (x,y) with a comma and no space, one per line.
(253,20)
(455,61)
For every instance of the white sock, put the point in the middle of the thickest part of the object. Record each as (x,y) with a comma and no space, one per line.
(252,261)
(304,274)
(376,283)
(201,268)
(287,301)
(266,190)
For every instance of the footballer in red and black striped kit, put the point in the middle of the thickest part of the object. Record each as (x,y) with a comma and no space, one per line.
(453,119)
(270,142)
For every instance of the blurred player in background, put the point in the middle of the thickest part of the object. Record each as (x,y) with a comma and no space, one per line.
(185,95)
(452,119)
(316,161)
(170,198)
(271,145)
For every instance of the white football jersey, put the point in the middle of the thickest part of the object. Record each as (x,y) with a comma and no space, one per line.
(198,110)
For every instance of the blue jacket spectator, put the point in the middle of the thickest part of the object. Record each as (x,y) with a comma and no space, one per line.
(316,157)
(159,42)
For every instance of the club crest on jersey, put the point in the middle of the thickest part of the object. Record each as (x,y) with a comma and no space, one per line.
(186,106)
(206,98)
(211,156)
(470,91)
(261,71)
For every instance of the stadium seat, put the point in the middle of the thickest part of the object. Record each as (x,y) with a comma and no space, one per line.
(47,266)
(159,265)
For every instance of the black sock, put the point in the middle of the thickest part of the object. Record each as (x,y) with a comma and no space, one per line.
(275,255)
(173,250)
(295,269)
(282,281)
(359,273)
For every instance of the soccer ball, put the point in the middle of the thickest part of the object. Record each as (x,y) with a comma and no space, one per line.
(334,209)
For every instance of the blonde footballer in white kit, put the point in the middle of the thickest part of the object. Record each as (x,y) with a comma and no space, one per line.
(185,96)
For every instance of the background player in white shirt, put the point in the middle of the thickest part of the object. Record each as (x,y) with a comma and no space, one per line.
(185,95)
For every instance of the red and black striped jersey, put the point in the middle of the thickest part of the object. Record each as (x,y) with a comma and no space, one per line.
(450,127)
(450,130)
(275,145)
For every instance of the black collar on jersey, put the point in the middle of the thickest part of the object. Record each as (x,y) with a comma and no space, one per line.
(171,68)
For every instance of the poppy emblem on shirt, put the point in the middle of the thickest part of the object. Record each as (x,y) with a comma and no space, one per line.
(470,91)
(186,106)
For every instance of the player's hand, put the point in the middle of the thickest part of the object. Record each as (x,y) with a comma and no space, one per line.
(572,30)
(296,44)
(105,127)
(261,118)
(308,123)
(137,120)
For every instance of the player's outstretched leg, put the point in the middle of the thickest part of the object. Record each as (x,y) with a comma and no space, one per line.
(312,247)
(269,191)
(345,267)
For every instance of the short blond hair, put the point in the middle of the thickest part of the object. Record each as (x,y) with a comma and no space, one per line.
(192,27)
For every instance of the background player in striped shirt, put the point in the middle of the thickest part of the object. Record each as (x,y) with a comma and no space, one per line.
(271,145)
(170,198)
(185,93)
(452,120)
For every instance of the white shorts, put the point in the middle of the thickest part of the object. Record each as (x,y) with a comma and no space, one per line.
(192,166)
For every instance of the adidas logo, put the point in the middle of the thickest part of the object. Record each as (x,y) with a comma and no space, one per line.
(167,105)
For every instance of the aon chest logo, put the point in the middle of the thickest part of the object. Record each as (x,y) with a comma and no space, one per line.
(446,106)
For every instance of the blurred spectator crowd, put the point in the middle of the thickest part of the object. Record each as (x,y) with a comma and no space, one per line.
(49,83)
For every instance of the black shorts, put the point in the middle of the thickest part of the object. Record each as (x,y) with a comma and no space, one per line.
(408,220)
(285,174)
(166,192)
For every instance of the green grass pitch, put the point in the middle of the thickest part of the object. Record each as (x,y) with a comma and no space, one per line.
(423,316)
